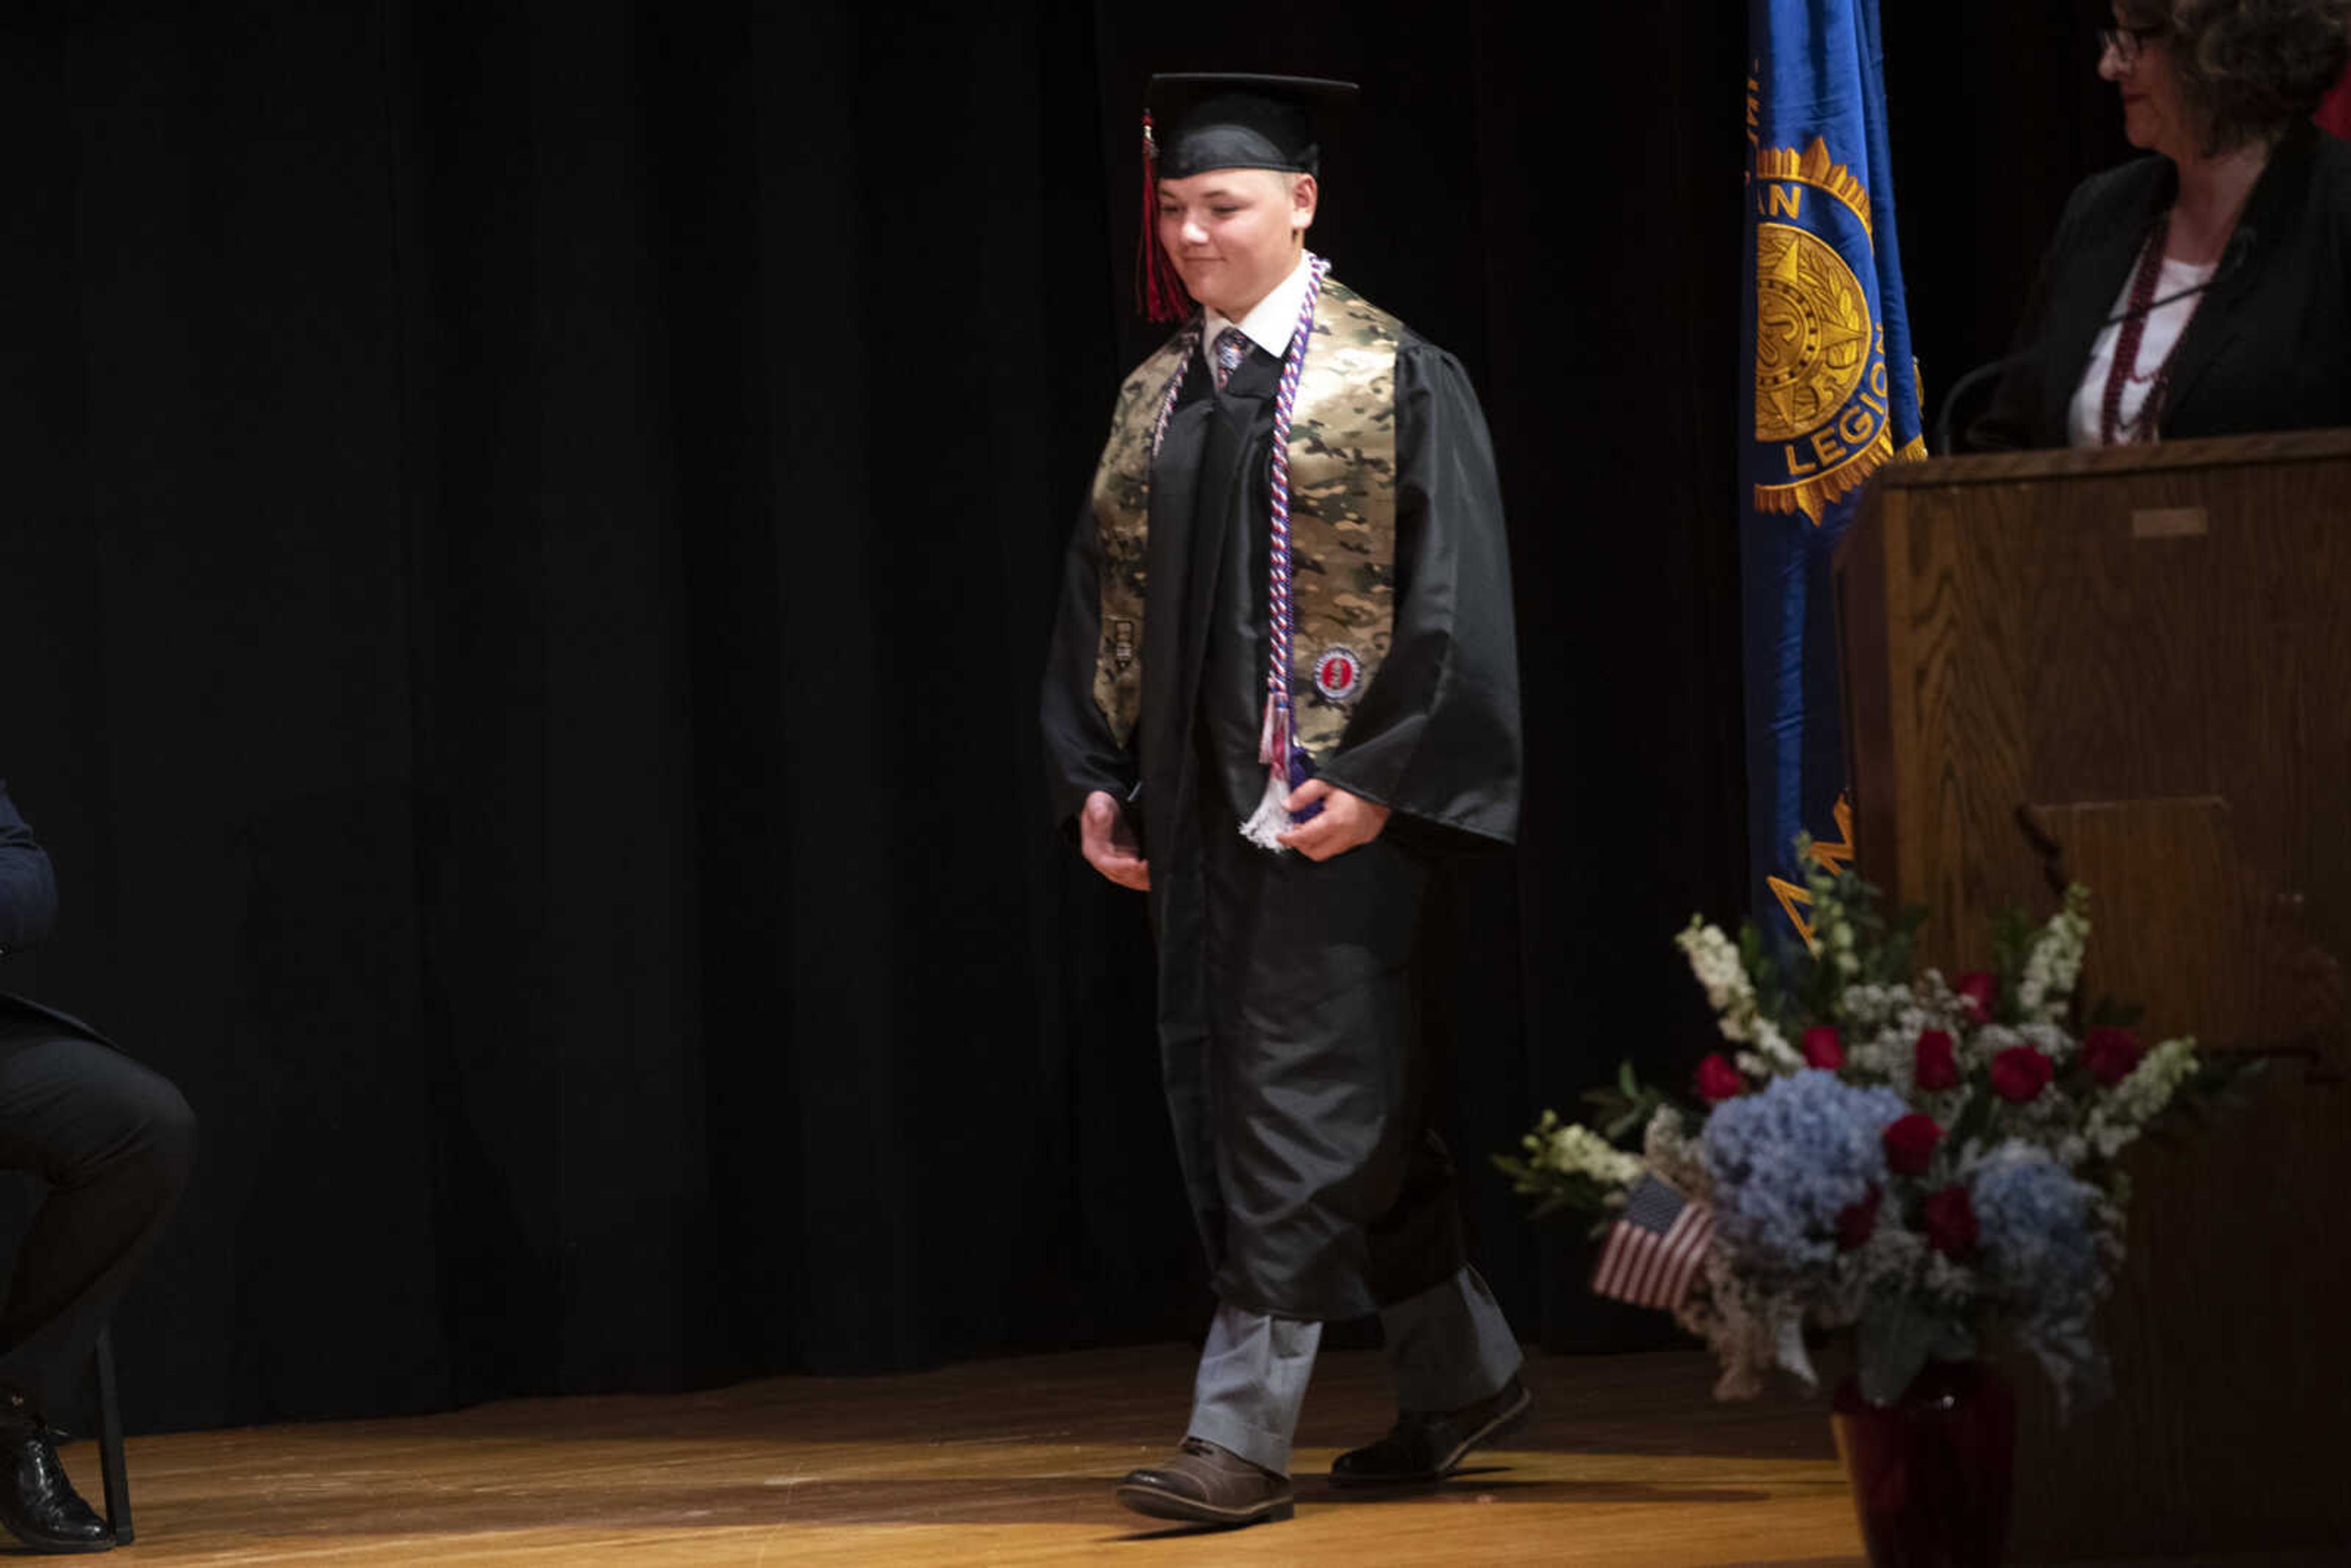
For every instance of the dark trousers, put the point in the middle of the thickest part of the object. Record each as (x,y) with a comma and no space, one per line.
(113,1142)
(1338,1194)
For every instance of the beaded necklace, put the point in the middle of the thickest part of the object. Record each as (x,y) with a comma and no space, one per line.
(2125,370)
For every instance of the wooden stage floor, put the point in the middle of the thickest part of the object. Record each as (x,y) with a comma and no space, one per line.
(1627,1462)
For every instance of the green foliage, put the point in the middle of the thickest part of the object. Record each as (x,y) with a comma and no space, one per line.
(1624,1108)
(2220,1084)
(2011,946)
(1975,1117)
(1621,1114)
(1553,1190)
(1882,952)
(1762,971)
(1899,1335)
(1887,944)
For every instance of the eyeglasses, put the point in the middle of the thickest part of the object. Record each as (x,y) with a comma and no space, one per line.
(2125,43)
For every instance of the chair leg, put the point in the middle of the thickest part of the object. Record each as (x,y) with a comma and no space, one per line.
(109,1442)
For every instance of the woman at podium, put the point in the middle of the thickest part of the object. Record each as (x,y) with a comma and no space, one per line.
(2206,289)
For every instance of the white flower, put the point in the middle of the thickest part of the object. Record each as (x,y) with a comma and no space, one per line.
(1939,1006)
(1874,1057)
(1833,931)
(2055,961)
(2117,1121)
(1714,959)
(1872,1006)
(1742,1322)
(1977,1047)
(1577,1150)
(1667,1148)
(1774,1045)
(2049,1039)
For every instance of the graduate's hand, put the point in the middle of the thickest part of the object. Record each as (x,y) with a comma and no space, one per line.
(1347,822)
(1109,843)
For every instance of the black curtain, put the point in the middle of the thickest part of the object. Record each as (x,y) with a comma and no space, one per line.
(528,556)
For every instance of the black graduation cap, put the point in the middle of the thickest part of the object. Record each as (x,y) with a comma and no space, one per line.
(1228,120)
(1197,120)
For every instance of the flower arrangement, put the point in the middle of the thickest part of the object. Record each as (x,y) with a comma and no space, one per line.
(1917,1160)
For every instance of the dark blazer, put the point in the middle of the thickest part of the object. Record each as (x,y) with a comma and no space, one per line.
(2268,349)
(28,907)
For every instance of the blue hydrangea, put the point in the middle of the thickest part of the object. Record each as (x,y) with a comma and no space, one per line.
(1787,1160)
(2039,1240)
(2034,1221)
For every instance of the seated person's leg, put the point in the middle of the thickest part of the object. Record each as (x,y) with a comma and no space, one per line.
(113,1142)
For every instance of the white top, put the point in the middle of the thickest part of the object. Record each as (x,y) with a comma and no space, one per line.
(1271,323)
(2164,324)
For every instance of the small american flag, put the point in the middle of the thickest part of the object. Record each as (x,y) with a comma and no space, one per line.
(1655,1248)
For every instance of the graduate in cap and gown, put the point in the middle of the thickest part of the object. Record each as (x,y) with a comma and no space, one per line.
(1283,683)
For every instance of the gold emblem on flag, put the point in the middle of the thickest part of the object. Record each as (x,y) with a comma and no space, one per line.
(1821,389)
(1811,332)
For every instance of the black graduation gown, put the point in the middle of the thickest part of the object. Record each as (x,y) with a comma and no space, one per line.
(1285,994)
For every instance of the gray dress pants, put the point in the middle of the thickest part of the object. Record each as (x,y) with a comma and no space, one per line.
(1446,1347)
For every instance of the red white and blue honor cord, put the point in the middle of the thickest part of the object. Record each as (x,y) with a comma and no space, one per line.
(1276,745)
(1287,766)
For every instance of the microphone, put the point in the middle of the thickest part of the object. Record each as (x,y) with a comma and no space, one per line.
(2233,256)
(1959,389)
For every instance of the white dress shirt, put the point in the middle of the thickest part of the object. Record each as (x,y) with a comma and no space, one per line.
(1270,324)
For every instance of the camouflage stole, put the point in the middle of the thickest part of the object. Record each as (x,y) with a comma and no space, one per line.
(1342,477)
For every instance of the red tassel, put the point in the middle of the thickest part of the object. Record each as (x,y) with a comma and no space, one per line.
(1158,289)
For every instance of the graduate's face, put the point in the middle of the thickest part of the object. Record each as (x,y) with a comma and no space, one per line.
(1233,234)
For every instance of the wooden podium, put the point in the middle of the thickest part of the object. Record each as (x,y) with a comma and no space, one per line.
(2132,668)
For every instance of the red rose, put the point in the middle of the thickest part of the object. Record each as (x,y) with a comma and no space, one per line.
(1935,1066)
(1976,992)
(1719,1081)
(2019,1072)
(1951,1221)
(1856,1220)
(1910,1144)
(2110,1053)
(1821,1048)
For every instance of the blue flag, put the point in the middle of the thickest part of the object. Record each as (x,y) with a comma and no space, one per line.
(1829,394)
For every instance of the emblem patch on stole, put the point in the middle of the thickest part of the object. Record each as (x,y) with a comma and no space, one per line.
(1338,673)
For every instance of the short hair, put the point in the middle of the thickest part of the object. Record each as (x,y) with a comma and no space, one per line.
(2250,69)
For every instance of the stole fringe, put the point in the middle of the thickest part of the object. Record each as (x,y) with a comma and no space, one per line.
(1272,819)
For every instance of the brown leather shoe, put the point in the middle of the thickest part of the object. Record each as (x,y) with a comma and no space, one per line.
(1423,1447)
(1201,1483)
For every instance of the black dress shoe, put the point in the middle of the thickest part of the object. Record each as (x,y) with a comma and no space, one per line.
(1202,1483)
(1423,1447)
(38,1504)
